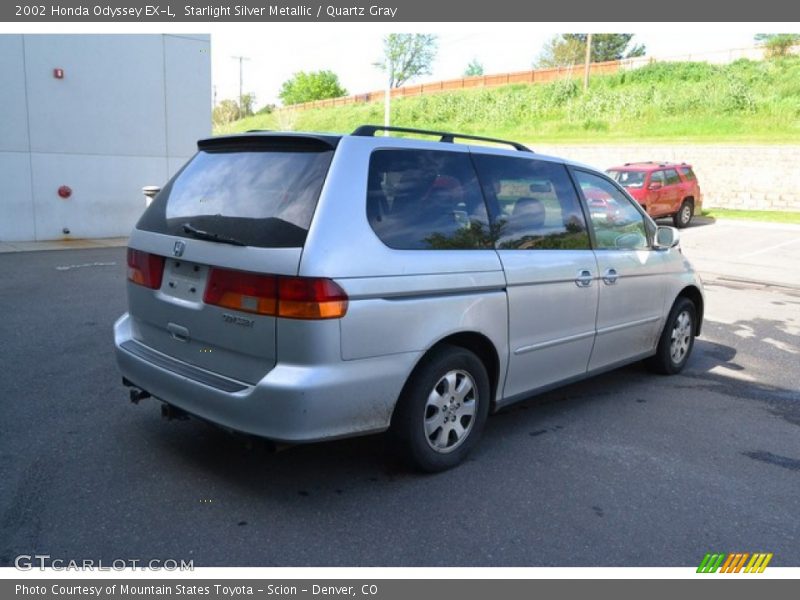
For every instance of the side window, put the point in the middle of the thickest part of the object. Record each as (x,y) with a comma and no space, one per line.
(533,204)
(657,177)
(426,199)
(687,173)
(616,222)
(672,177)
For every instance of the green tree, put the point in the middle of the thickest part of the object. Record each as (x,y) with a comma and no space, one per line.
(267,109)
(246,107)
(570,49)
(229,110)
(407,55)
(777,44)
(609,46)
(560,52)
(314,85)
(474,69)
(225,112)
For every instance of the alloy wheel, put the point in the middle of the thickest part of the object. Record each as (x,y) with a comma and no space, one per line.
(450,411)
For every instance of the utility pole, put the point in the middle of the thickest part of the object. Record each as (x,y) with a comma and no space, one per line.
(587,62)
(387,98)
(241,59)
(387,106)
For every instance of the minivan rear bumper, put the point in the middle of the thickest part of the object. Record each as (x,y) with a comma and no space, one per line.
(292,403)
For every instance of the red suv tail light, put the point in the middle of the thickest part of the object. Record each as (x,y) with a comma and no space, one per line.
(145,269)
(290,297)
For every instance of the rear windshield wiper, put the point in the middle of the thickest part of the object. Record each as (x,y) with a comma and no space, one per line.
(212,237)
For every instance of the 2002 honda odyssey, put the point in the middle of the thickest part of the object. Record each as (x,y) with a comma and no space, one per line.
(302,287)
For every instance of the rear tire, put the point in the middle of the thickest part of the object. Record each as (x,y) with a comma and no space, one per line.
(683,217)
(677,339)
(442,410)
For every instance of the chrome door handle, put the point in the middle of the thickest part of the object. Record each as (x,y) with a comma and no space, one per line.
(610,276)
(584,278)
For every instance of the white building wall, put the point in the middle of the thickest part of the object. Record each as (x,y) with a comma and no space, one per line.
(127,113)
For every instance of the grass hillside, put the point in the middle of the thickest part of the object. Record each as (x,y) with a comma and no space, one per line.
(746,101)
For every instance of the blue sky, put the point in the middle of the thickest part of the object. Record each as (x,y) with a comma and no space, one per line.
(277,51)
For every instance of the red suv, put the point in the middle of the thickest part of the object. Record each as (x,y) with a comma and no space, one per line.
(663,189)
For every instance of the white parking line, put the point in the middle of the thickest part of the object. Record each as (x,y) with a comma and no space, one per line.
(770,248)
(94,264)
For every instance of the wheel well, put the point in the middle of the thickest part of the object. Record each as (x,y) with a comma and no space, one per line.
(693,294)
(482,347)
(690,198)
(476,343)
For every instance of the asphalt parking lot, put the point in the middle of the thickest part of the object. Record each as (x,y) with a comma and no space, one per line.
(626,469)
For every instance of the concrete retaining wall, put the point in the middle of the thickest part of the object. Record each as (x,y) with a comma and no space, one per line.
(759,177)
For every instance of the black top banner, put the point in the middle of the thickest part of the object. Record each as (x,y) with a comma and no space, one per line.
(400,11)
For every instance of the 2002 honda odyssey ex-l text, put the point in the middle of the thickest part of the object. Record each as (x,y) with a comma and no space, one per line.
(303,287)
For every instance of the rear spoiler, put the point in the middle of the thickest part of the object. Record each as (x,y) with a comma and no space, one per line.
(260,141)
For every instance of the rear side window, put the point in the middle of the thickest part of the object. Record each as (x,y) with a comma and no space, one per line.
(426,199)
(258,196)
(672,177)
(533,204)
(687,173)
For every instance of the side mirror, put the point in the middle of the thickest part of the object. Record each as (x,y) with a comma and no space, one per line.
(656,185)
(666,238)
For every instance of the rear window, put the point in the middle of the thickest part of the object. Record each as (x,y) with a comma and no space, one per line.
(687,173)
(631,179)
(259,196)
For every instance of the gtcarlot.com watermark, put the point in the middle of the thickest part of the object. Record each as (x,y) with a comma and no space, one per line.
(29,562)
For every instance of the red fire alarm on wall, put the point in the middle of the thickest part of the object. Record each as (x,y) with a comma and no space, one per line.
(64,192)
(58,73)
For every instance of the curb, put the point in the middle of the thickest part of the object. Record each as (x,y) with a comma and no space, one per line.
(79,244)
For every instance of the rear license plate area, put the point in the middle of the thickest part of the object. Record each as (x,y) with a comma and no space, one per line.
(184,280)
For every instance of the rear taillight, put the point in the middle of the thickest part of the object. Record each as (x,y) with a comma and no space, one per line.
(310,298)
(145,269)
(242,291)
(290,297)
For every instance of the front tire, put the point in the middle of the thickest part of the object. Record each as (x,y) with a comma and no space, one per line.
(683,217)
(677,339)
(442,410)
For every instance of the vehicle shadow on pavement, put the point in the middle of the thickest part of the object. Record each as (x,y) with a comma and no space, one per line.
(697,221)
(339,468)
(715,366)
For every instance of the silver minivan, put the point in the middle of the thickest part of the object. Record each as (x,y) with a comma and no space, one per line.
(303,287)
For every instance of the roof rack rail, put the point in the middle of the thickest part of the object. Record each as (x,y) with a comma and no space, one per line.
(445,136)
